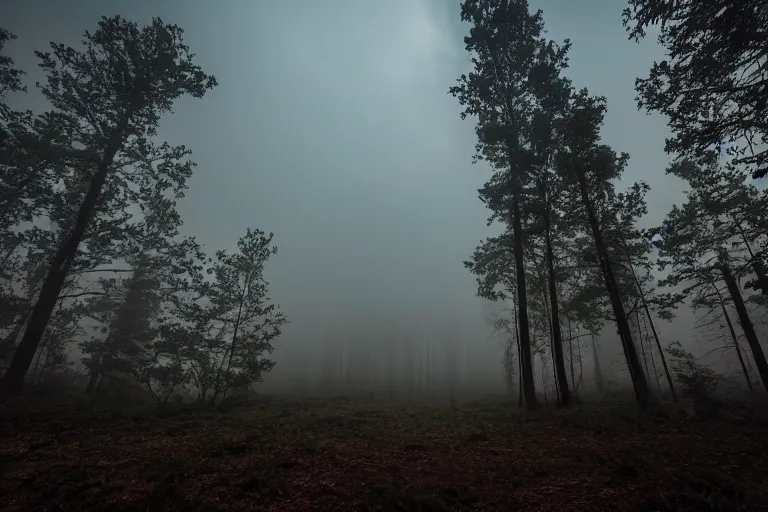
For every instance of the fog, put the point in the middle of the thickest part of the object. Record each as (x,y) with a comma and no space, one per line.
(332,127)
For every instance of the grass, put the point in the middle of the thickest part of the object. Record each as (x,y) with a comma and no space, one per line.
(362,455)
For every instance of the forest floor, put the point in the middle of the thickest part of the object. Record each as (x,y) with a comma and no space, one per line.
(360,455)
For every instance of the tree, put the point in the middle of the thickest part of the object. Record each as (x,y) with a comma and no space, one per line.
(589,168)
(10,77)
(240,291)
(126,312)
(716,303)
(515,80)
(695,378)
(698,248)
(224,325)
(713,85)
(108,99)
(130,308)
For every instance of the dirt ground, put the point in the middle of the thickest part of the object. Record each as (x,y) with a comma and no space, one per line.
(362,455)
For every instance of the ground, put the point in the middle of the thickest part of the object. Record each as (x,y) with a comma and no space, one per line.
(364,455)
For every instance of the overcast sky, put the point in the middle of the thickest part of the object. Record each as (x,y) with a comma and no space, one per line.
(332,127)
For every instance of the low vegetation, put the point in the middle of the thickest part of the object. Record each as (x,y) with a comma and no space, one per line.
(361,454)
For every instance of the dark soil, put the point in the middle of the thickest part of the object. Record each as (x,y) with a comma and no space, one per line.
(356,455)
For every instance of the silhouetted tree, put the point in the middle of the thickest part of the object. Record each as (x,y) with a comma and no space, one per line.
(108,99)
(590,167)
(512,91)
(712,85)
(698,250)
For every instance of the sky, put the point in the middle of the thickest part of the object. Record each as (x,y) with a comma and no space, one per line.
(332,127)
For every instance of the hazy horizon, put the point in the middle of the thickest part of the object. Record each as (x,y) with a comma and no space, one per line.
(332,127)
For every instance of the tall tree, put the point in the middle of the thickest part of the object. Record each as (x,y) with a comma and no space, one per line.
(712,86)
(590,168)
(108,99)
(698,250)
(516,74)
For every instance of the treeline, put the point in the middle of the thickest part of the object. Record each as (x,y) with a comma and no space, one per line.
(571,256)
(90,238)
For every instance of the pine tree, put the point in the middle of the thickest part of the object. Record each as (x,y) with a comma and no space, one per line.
(712,85)
(514,87)
(699,249)
(590,167)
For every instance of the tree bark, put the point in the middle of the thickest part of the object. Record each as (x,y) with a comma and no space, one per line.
(630,353)
(561,380)
(733,335)
(529,390)
(746,324)
(13,382)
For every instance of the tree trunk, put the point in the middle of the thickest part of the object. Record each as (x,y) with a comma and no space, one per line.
(92,381)
(561,380)
(570,354)
(598,374)
(543,376)
(232,345)
(630,353)
(733,335)
(13,382)
(653,361)
(746,324)
(545,301)
(653,330)
(529,391)
(519,359)
(643,353)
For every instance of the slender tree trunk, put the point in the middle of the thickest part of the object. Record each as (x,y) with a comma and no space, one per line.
(746,324)
(596,359)
(581,363)
(13,382)
(642,344)
(529,390)
(232,345)
(543,377)
(653,361)
(570,354)
(545,301)
(37,361)
(667,373)
(519,358)
(561,381)
(733,335)
(630,353)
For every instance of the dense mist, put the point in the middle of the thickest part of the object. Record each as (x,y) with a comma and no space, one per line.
(331,126)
